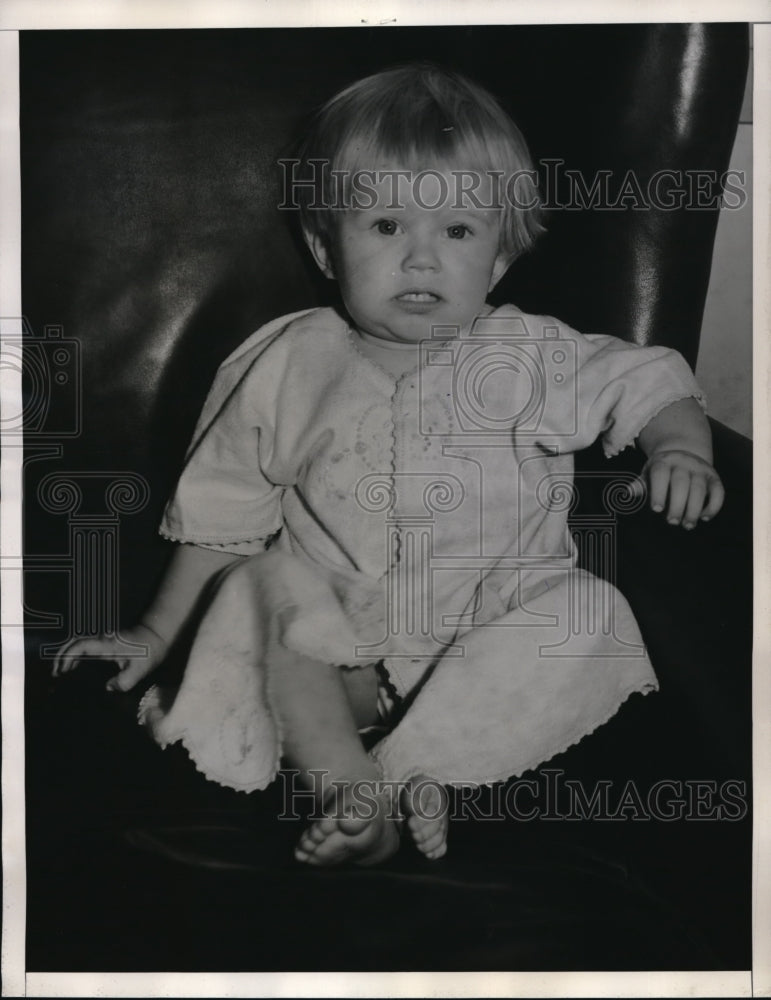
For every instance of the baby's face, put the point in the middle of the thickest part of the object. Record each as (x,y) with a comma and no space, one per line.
(404,267)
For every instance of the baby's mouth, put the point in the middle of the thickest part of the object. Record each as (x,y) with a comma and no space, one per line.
(418,296)
(417,302)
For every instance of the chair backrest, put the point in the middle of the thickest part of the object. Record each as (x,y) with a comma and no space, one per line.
(149,193)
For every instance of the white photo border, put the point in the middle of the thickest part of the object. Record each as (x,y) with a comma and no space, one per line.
(18,15)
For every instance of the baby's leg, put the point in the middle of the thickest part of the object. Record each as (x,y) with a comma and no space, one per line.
(320,733)
(423,803)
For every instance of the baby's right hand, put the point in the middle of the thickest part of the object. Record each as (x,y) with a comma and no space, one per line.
(133,665)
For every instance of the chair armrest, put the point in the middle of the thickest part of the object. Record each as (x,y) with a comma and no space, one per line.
(691,593)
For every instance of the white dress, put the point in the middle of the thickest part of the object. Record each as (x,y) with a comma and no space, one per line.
(424,524)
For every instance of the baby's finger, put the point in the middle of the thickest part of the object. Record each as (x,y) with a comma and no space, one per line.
(658,475)
(695,502)
(637,488)
(71,653)
(716,498)
(131,673)
(65,651)
(679,488)
(59,659)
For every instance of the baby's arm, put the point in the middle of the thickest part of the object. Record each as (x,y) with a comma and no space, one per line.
(679,471)
(189,570)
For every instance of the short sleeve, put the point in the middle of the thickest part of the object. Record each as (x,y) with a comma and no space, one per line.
(224,499)
(600,386)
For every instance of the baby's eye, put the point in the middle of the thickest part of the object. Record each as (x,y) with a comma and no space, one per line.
(386,227)
(457,231)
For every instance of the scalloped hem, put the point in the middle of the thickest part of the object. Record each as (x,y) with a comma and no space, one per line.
(151,700)
(217,542)
(570,741)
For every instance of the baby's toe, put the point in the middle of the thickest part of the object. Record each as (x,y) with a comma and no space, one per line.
(304,848)
(433,840)
(322,828)
(437,852)
(309,841)
(418,829)
(312,838)
(307,858)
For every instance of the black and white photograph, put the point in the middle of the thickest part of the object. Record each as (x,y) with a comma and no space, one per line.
(377,540)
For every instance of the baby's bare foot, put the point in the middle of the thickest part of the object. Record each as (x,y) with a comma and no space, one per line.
(362,827)
(426,805)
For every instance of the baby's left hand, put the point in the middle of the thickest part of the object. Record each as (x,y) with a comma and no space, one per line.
(685,484)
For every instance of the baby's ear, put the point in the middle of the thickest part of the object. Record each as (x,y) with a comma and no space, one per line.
(502,263)
(320,250)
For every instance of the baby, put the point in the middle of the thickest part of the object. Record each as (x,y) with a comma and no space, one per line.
(371,522)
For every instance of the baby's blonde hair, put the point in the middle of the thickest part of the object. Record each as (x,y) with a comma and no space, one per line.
(418,116)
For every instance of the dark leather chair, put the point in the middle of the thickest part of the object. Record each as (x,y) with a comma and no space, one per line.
(152,247)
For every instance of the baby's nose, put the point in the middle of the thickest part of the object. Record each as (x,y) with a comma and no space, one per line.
(422,255)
